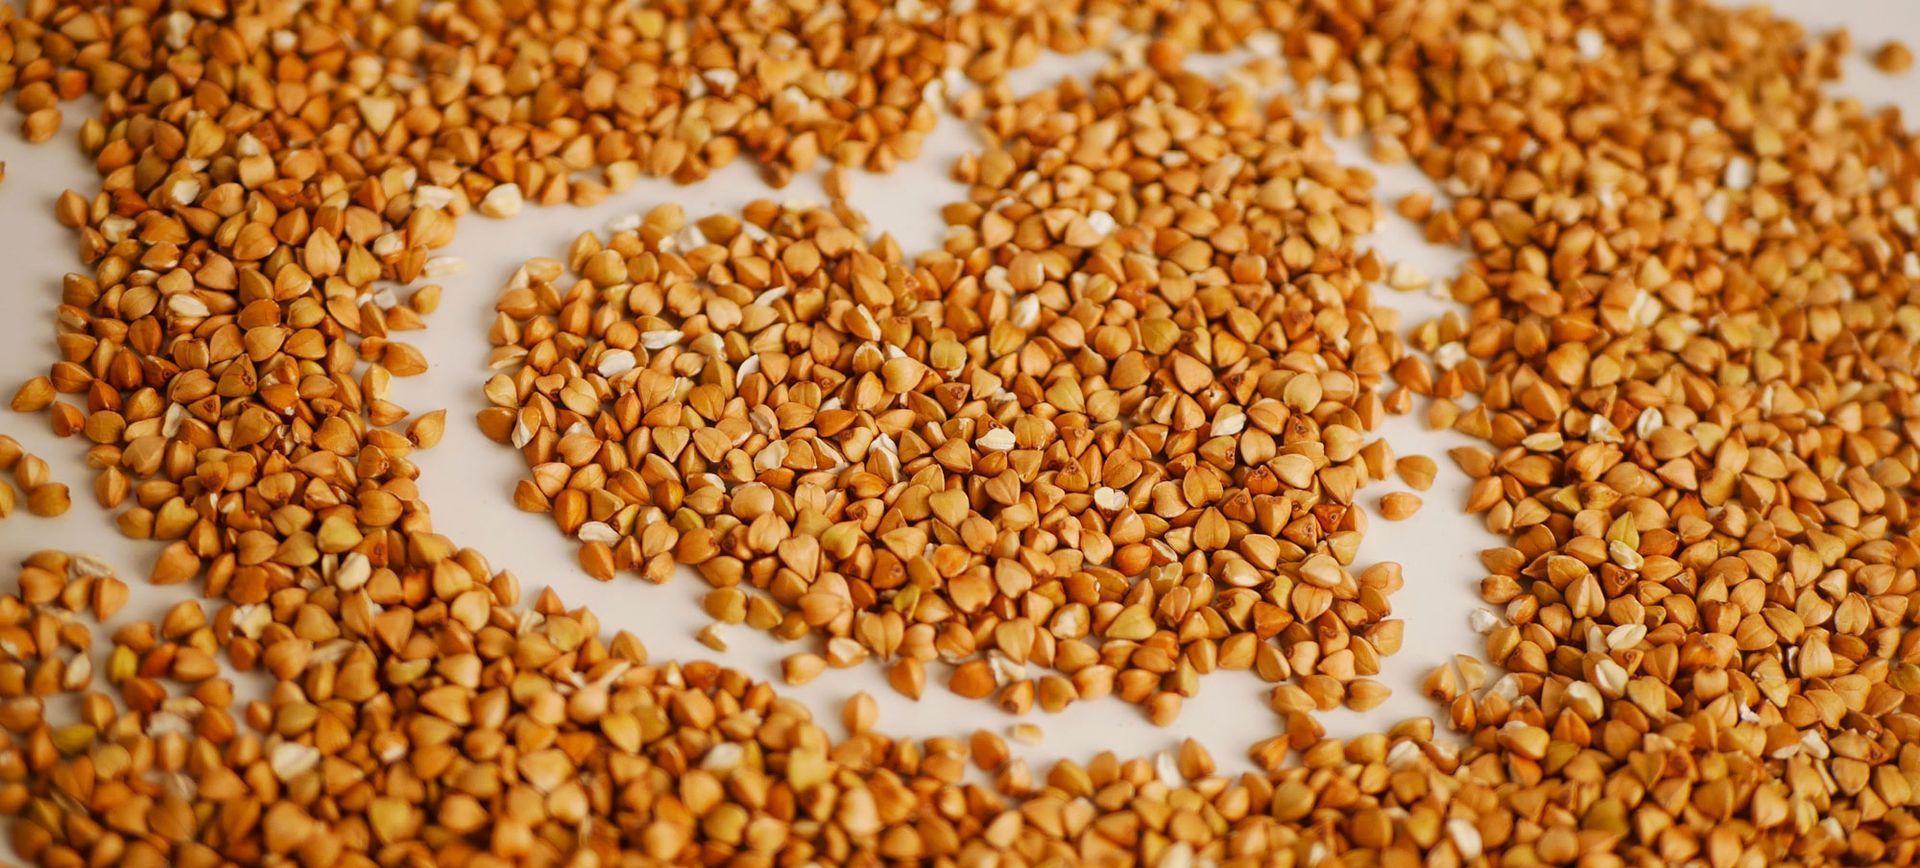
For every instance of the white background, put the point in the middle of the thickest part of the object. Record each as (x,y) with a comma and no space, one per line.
(468,480)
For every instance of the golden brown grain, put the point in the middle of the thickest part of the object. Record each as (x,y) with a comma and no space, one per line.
(1398,505)
(1893,57)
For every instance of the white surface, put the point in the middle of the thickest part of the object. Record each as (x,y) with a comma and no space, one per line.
(468,480)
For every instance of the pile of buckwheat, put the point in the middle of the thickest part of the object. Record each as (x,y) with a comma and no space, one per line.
(1107,439)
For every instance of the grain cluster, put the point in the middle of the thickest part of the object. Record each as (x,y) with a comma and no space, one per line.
(32,486)
(1106,439)
(1113,429)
